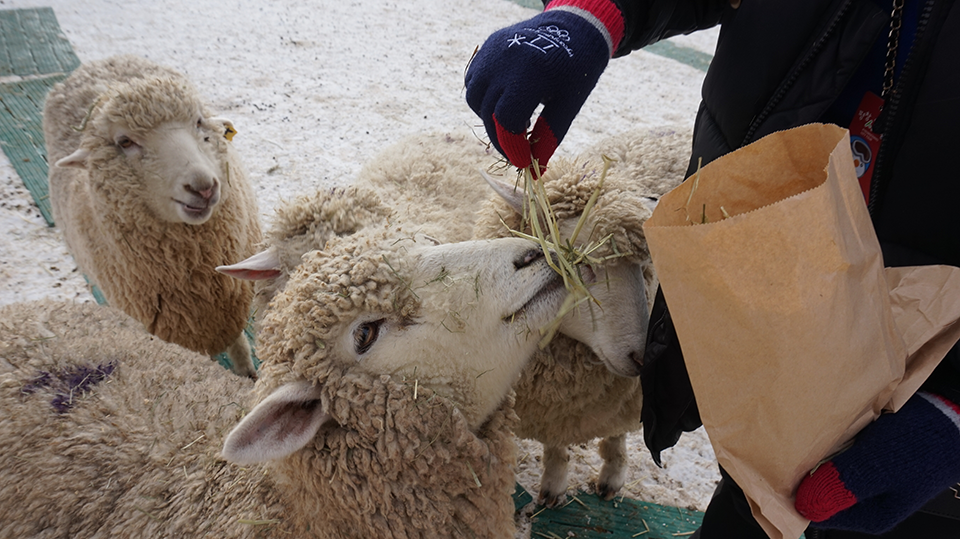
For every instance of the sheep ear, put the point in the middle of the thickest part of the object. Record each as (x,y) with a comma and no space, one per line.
(512,194)
(77,159)
(228,129)
(259,267)
(277,427)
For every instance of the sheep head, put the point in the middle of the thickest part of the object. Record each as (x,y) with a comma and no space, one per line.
(150,141)
(460,319)
(614,325)
(303,225)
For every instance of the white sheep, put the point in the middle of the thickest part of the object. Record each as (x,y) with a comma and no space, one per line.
(571,393)
(151,198)
(384,410)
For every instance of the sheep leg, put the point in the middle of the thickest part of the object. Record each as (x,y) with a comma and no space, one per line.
(553,480)
(241,362)
(613,473)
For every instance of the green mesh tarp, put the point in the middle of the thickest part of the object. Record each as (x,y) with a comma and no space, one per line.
(34,55)
(21,135)
(31,43)
(585,516)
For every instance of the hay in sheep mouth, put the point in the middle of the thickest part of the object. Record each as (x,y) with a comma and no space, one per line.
(572,261)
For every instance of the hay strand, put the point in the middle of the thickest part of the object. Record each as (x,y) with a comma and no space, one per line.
(563,255)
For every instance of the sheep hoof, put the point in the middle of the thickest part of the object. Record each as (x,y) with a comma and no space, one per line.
(607,492)
(245,370)
(551,500)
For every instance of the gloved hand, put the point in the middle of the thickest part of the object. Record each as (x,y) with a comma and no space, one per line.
(554,58)
(895,465)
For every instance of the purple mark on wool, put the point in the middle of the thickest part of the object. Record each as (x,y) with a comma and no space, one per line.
(69,384)
(41,381)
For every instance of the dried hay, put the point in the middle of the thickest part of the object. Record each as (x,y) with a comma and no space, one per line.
(569,256)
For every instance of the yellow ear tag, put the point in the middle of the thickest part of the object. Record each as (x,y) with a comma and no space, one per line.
(229,132)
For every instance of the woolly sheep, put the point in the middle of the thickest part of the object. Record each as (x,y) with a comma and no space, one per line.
(569,393)
(151,197)
(376,414)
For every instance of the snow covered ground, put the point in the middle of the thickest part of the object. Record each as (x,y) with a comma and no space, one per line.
(316,88)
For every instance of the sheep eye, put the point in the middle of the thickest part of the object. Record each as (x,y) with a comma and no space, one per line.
(124,142)
(199,122)
(365,335)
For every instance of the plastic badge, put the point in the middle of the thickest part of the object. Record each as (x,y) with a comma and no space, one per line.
(863,141)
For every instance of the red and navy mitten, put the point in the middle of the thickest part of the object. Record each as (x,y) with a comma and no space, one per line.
(895,465)
(554,58)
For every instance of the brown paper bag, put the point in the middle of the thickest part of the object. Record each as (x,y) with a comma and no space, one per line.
(794,335)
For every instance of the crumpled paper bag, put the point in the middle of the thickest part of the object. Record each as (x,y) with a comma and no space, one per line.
(794,334)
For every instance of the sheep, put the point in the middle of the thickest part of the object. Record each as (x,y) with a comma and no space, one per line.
(151,198)
(570,393)
(375,414)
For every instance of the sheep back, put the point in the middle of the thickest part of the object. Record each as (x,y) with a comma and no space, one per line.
(432,180)
(106,429)
(160,273)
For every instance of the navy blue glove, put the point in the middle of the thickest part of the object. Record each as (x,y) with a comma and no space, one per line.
(555,59)
(895,465)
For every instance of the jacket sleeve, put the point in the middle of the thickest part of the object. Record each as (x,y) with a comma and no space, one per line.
(649,21)
(669,406)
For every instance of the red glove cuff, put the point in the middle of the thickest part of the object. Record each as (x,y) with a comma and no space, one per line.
(602,14)
(514,145)
(823,494)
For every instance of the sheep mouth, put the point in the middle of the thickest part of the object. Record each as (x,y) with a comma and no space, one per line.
(548,289)
(195,211)
(588,275)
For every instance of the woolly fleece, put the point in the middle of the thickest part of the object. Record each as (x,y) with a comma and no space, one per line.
(433,180)
(135,455)
(306,223)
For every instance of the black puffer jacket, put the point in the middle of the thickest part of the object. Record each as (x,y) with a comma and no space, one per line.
(783,64)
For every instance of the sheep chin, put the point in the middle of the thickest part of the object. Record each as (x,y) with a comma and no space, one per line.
(628,369)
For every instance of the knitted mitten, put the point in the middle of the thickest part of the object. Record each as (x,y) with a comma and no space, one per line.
(554,58)
(896,464)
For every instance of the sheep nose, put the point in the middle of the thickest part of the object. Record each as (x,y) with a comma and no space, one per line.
(527,258)
(636,356)
(205,191)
